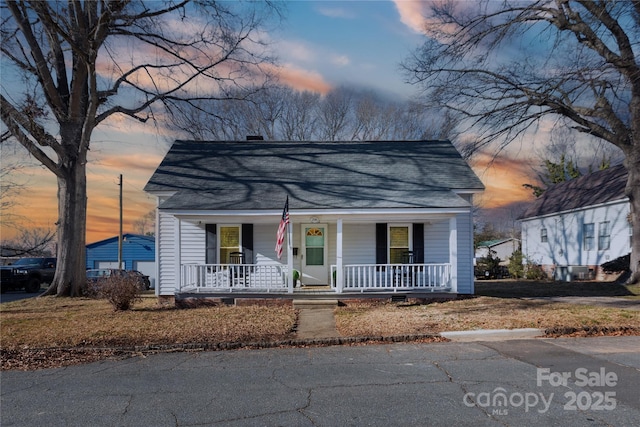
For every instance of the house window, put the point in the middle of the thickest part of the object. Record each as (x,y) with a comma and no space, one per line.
(604,236)
(399,244)
(588,236)
(229,242)
(543,235)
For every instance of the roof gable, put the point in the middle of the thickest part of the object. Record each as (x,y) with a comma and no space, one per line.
(223,175)
(596,188)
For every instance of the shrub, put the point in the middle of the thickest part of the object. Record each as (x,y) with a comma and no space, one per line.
(535,272)
(121,292)
(516,268)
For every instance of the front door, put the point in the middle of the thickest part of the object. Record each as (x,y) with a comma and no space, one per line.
(315,270)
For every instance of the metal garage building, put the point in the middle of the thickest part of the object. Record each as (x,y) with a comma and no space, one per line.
(138,253)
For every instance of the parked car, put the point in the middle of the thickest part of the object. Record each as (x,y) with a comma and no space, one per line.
(28,274)
(93,276)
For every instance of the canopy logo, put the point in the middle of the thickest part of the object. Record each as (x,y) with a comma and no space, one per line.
(499,401)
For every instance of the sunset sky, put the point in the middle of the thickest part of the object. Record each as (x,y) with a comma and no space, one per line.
(321,45)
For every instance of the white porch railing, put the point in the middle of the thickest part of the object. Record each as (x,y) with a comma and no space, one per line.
(356,277)
(394,277)
(233,277)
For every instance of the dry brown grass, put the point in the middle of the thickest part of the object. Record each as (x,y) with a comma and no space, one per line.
(388,319)
(48,332)
(79,322)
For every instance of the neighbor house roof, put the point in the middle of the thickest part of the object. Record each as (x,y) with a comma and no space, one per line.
(491,243)
(150,239)
(596,188)
(217,175)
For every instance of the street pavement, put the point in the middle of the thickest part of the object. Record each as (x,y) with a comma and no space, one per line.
(564,382)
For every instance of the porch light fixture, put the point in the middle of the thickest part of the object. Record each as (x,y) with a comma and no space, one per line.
(314,220)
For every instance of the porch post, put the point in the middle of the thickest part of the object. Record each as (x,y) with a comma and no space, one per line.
(453,252)
(177,253)
(339,278)
(290,256)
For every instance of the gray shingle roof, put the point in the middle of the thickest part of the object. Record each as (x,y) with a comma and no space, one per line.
(593,189)
(222,175)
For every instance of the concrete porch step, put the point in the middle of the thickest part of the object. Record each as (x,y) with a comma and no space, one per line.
(315,303)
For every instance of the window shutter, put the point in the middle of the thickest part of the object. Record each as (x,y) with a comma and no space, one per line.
(381,243)
(247,242)
(211,242)
(418,243)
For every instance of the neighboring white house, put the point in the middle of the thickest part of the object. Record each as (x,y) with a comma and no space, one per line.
(501,248)
(383,216)
(578,225)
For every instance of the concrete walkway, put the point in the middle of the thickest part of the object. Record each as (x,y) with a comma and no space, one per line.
(316,319)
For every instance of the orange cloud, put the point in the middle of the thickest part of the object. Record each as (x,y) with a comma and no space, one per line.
(301,80)
(503,178)
(418,16)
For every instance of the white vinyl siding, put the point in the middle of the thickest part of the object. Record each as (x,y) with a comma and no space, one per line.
(465,254)
(193,241)
(566,236)
(436,245)
(358,244)
(166,250)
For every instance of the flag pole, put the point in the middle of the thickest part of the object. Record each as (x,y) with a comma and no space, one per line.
(290,255)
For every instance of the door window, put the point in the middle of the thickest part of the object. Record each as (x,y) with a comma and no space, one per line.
(314,244)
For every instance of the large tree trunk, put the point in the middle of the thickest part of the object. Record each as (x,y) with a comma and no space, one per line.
(633,192)
(70,277)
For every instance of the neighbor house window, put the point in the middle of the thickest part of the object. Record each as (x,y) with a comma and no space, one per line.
(543,235)
(229,242)
(588,239)
(399,244)
(604,236)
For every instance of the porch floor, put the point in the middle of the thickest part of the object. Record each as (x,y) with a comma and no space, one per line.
(321,293)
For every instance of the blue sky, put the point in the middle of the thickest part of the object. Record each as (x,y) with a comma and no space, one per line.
(348,43)
(321,45)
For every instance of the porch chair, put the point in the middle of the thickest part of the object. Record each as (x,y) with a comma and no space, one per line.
(237,269)
(407,272)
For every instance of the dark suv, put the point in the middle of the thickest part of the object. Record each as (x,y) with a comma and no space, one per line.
(27,274)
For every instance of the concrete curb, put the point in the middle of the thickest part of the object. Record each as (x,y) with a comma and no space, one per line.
(493,334)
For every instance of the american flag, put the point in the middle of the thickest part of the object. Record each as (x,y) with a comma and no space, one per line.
(282,228)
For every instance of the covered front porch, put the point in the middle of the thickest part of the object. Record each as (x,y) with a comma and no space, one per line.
(412,252)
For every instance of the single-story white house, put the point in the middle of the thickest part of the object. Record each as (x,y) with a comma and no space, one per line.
(576,226)
(383,216)
(501,248)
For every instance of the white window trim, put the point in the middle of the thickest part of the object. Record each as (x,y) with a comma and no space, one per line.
(410,232)
(219,235)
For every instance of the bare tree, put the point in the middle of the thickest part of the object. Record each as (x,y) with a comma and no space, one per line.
(9,192)
(333,115)
(146,224)
(282,113)
(30,242)
(299,117)
(86,61)
(505,66)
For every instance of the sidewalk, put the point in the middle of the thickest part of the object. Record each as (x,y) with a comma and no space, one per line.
(316,319)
